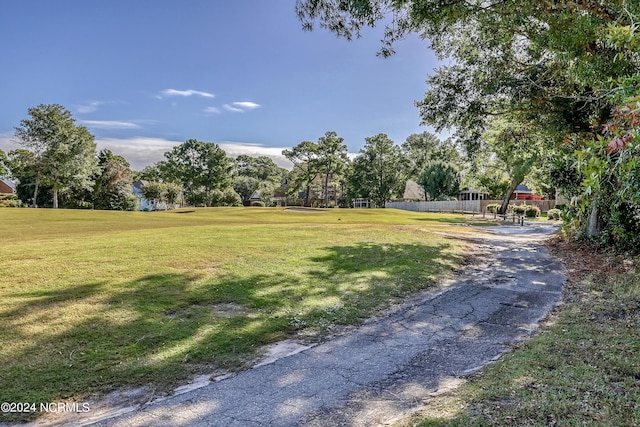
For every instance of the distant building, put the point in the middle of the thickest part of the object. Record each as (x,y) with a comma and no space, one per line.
(472,194)
(143,203)
(7,186)
(522,192)
(256,199)
(361,203)
(413,191)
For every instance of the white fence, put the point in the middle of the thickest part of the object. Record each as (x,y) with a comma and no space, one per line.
(444,206)
(464,205)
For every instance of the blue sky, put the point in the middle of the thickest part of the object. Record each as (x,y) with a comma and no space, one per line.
(144,75)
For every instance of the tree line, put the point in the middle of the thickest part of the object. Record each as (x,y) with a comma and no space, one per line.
(59,166)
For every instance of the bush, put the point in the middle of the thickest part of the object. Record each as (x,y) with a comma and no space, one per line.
(77,204)
(624,227)
(10,201)
(228,197)
(554,214)
(493,208)
(519,209)
(532,212)
(526,210)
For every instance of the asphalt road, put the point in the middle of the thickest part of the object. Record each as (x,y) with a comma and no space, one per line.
(390,366)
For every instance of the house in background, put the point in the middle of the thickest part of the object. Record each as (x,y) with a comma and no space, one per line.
(522,192)
(413,191)
(472,194)
(144,204)
(256,199)
(7,186)
(360,203)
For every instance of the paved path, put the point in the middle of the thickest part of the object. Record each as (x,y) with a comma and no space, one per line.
(386,369)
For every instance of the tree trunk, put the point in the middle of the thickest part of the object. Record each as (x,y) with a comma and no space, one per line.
(306,196)
(507,197)
(326,187)
(594,225)
(35,192)
(55,197)
(326,190)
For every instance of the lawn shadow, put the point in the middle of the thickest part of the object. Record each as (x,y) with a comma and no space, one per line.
(161,329)
(461,220)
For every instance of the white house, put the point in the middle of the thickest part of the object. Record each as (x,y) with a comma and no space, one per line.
(144,204)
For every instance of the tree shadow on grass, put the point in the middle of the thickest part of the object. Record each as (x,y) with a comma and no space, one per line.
(161,329)
(460,220)
(393,259)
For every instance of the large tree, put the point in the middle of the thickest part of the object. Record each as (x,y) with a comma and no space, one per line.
(556,66)
(517,149)
(440,180)
(332,159)
(259,173)
(200,167)
(377,172)
(22,164)
(64,153)
(113,183)
(420,149)
(304,157)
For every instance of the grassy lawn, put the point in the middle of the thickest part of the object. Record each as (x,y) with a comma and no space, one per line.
(582,369)
(92,301)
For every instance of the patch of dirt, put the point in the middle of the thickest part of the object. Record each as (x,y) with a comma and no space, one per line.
(302,209)
(582,260)
(229,310)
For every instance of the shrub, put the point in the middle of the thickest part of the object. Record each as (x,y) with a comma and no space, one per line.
(78,204)
(554,214)
(532,212)
(493,208)
(228,197)
(526,210)
(520,209)
(624,227)
(10,201)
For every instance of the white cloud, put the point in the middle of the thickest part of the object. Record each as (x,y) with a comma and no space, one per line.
(89,107)
(232,109)
(184,93)
(212,110)
(141,151)
(109,124)
(246,105)
(241,106)
(234,149)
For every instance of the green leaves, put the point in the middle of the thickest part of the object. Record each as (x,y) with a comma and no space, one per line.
(378,170)
(327,158)
(4,169)
(200,167)
(64,153)
(440,181)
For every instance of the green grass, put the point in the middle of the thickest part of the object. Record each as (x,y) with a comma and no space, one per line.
(583,369)
(93,301)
